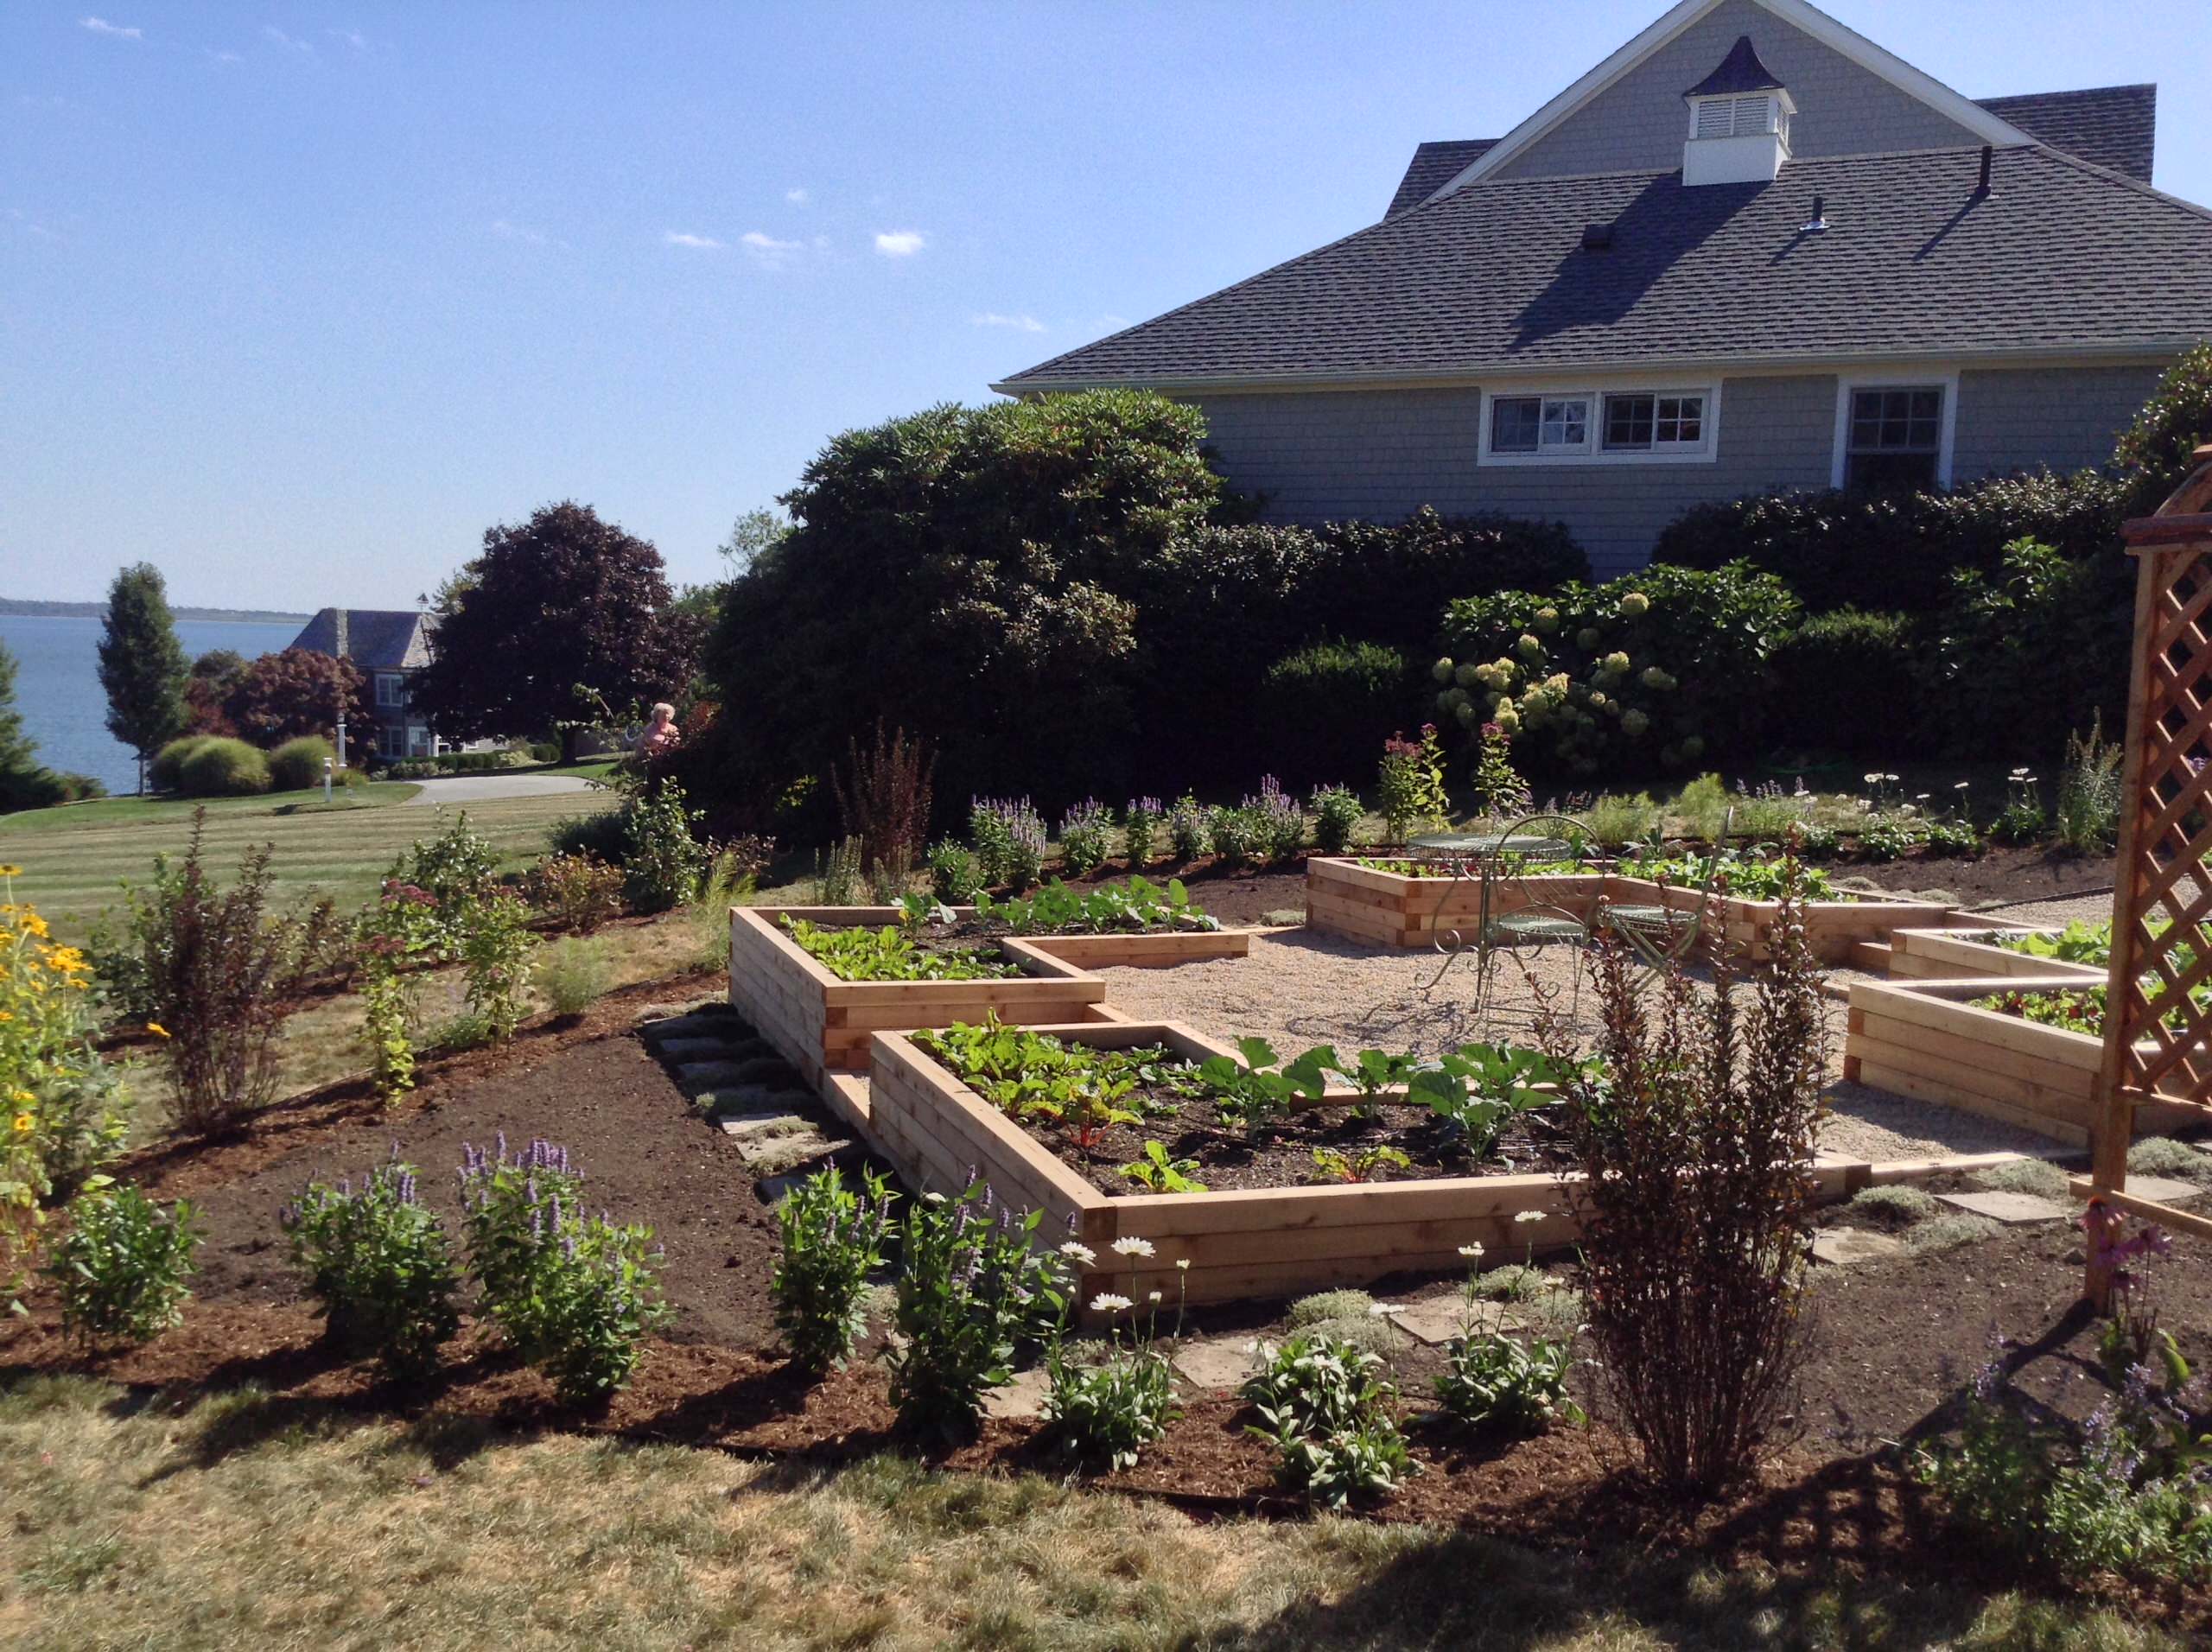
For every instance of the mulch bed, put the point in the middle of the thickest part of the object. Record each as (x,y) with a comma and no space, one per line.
(1895,1342)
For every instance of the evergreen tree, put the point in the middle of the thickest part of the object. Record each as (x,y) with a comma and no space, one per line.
(143,665)
(25,782)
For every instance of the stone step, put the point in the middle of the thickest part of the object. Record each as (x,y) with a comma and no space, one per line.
(1841,1247)
(771,1071)
(658,1016)
(2013,1210)
(1216,1362)
(760,1127)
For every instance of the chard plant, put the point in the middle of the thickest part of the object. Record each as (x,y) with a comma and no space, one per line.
(1133,905)
(1362,1165)
(1156,1173)
(888,953)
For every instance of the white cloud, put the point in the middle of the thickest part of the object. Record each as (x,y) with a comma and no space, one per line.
(796,197)
(276,36)
(119,31)
(222,57)
(898,243)
(683,238)
(767,249)
(1024,323)
(507,232)
(352,38)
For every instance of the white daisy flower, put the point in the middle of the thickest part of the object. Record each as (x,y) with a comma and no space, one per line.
(1083,1254)
(1107,1302)
(1183,1264)
(1131,1247)
(1152,1297)
(1528,1215)
(1470,1251)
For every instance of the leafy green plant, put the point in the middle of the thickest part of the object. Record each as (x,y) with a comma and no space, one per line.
(456,867)
(575,1294)
(2080,942)
(1187,829)
(122,1267)
(1361,1164)
(1236,835)
(2023,819)
(2088,817)
(1085,830)
(1494,1381)
(1109,1412)
(575,974)
(1479,1089)
(1946,837)
(1141,825)
(375,1258)
(1749,878)
(1157,1173)
(956,873)
(833,1239)
(1009,838)
(497,955)
(1253,1092)
(1336,814)
(1409,782)
(860,953)
(970,1287)
(1615,819)
(663,857)
(578,891)
(1326,1408)
(1132,906)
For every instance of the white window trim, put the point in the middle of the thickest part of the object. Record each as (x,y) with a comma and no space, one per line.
(1946,379)
(1593,451)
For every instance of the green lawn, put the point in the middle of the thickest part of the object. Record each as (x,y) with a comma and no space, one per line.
(73,858)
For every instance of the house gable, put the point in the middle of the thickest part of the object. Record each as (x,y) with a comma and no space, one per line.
(1628,114)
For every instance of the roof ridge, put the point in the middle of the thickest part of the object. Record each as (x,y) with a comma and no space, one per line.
(2070,91)
(2131,182)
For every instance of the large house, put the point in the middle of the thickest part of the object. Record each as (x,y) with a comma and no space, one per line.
(388,645)
(1750,250)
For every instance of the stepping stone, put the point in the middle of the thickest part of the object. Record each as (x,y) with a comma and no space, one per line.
(696,1048)
(660,1015)
(1437,1320)
(762,1126)
(1841,1247)
(781,1154)
(736,1075)
(2164,1189)
(2013,1209)
(1023,1397)
(1218,1363)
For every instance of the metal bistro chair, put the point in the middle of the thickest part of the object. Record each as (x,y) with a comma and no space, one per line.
(1663,935)
(1507,915)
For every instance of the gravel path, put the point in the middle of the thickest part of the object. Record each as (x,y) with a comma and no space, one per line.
(1298,988)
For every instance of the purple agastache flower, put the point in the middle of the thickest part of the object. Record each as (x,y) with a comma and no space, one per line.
(556,1213)
(568,1246)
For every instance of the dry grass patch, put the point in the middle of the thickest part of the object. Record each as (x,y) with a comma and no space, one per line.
(251,1520)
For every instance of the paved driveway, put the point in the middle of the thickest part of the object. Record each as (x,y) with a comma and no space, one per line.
(482,788)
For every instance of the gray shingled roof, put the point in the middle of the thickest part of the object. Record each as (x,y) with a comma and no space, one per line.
(2114,126)
(1490,277)
(386,638)
(1434,166)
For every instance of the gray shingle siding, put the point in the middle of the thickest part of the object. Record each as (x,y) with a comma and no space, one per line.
(1637,123)
(2066,418)
(1380,454)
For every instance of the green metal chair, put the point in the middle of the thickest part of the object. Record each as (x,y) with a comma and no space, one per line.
(1508,916)
(1663,935)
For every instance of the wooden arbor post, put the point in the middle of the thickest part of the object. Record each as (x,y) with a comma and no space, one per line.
(2156,1032)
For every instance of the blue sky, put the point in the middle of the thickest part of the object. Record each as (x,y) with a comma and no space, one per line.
(295,300)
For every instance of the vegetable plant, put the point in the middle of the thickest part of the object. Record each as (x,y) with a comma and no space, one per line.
(1479,1089)
(1156,1173)
(1336,814)
(1362,1165)
(1133,904)
(1253,1092)
(375,1258)
(862,954)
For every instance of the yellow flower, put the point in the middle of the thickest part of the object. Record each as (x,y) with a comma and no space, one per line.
(10,872)
(23,1097)
(22,1124)
(157,1029)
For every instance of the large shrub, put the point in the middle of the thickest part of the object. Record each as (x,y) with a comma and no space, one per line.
(166,771)
(298,764)
(1326,708)
(1668,668)
(1898,551)
(282,697)
(1847,682)
(223,768)
(2153,454)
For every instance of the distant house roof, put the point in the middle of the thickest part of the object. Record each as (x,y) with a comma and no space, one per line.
(1740,71)
(1434,166)
(2114,126)
(391,639)
(1490,278)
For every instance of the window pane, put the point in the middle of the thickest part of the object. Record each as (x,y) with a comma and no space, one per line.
(1680,419)
(1513,424)
(1897,420)
(1627,420)
(1567,423)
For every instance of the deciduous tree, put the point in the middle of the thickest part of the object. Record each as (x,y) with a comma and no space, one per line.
(281,697)
(561,616)
(141,665)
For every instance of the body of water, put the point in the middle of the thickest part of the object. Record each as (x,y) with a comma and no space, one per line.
(58,684)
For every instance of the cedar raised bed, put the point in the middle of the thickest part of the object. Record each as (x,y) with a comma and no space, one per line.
(1239,1242)
(1926,1040)
(1390,909)
(821,1025)
(1966,954)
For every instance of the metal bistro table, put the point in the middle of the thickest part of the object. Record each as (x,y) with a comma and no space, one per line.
(1475,855)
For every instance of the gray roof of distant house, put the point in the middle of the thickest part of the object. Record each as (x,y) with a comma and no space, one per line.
(1740,71)
(2114,126)
(2063,257)
(1434,166)
(376,638)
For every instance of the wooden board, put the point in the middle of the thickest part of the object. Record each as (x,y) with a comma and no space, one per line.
(1954,955)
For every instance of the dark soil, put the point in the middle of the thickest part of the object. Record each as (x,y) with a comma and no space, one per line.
(1894,1343)
(2000,876)
(1188,1128)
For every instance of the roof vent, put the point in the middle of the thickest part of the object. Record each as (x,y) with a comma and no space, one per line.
(1982,187)
(1739,122)
(1818,223)
(1596,237)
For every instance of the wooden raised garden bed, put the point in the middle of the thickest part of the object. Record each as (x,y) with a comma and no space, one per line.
(1239,1242)
(821,1025)
(1970,955)
(1390,909)
(1928,1040)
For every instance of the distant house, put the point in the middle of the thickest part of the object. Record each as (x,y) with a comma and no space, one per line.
(389,646)
(1750,250)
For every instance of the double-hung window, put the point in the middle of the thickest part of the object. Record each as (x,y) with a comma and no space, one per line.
(1657,423)
(1896,438)
(391,692)
(1540,425)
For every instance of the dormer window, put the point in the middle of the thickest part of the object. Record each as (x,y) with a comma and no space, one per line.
(1739,122)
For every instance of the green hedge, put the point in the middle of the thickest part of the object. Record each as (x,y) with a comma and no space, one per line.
(1848,680)
(166,771)
(1325,711)
(224,768)
(1842,549)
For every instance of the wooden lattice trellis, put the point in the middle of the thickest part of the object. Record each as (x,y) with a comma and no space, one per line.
(2157,1024)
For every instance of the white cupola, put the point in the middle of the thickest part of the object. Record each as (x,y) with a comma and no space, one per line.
(1739,122)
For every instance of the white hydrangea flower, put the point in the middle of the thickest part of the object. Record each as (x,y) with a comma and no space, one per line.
(1132,1247)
